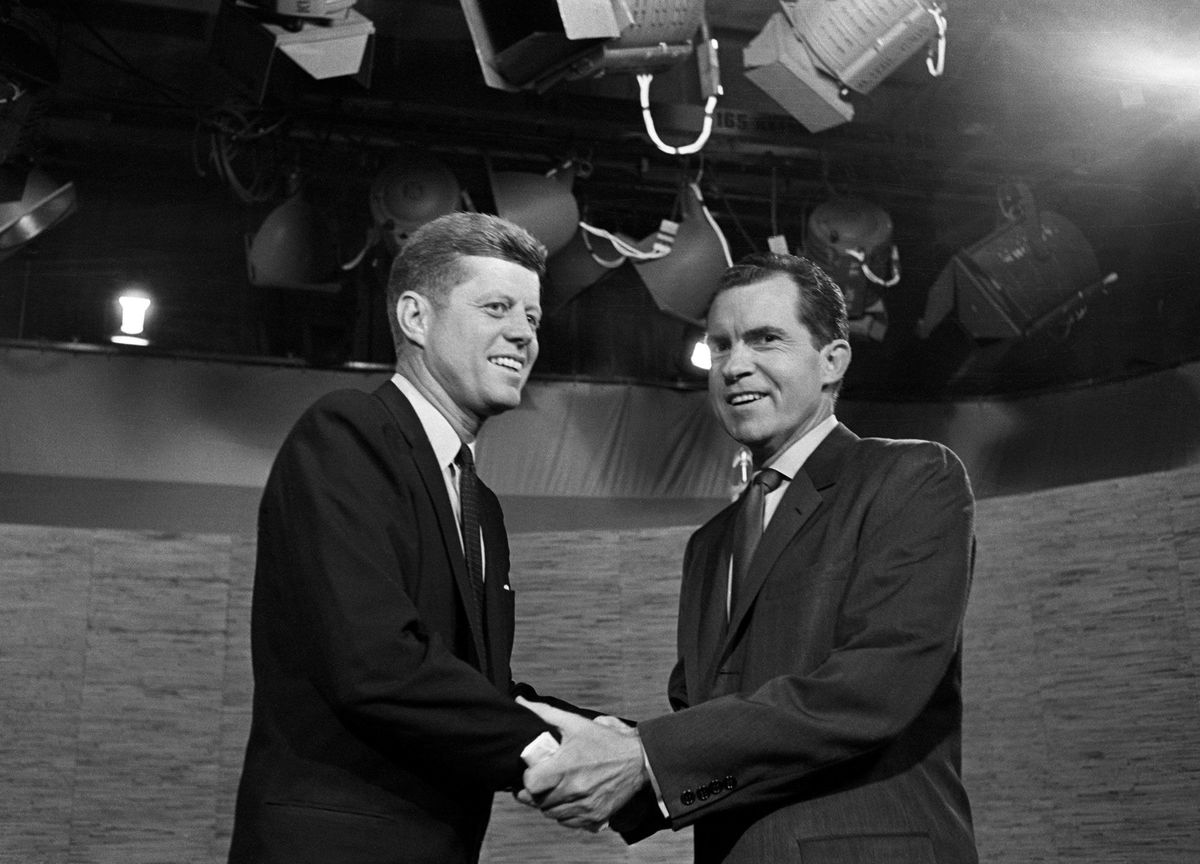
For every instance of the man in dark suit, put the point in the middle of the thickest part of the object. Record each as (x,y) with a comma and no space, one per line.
(817,689)
(381,634)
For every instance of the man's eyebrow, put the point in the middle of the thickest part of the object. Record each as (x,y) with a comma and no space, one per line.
(764,330)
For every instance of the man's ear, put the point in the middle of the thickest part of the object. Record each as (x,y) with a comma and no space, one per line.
(412,313)
(835,360)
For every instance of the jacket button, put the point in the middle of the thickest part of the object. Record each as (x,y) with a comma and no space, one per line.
(703,792)
(688,798)
(730,783)
(715,787)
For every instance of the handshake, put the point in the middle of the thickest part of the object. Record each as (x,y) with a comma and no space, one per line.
(596,769)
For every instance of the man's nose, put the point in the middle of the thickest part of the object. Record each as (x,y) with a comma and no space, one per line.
(520,330)
(736,363)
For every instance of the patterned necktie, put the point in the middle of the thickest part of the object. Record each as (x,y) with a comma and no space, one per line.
(748,526)
(468,499)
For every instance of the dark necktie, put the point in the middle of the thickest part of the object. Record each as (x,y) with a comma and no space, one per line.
(468,506)
(748,526)
(468,501)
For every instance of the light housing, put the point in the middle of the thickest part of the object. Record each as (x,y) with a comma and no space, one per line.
(30,203)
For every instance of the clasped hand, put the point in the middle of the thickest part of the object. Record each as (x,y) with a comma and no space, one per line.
(597,769)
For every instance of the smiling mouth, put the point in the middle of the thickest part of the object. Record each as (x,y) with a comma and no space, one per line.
(513,364)
(739,399)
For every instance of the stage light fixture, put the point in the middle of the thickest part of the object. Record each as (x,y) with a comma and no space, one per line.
(134,307)
(536,44)
(684,281)
(812,54)
(412,189)
(30,203)
(295,247)
(851,240)
(324,38)
(542,204)
(1033,271)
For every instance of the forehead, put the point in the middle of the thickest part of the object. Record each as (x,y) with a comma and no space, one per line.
(769,302)
(482,275)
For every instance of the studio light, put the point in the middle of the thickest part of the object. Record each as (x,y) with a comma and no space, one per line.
(851,240)
(683,281)
(133,320)
(30,203)
(1034,270)
(542,204)
(412,189)
(295,247)
(813,53)
(701,356)
(537,44)
(324,38)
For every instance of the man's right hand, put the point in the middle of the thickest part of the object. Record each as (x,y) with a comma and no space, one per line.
(596,770)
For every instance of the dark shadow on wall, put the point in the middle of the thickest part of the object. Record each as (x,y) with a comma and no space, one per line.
(1138,426)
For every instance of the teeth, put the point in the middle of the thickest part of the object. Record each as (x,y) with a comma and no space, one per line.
(744,398)
(507,363)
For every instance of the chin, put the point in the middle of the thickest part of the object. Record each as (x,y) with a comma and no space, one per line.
(502,402)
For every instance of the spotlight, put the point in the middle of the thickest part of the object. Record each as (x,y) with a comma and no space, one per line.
(134,307)
(809,56)
(851,240)
(542,204)
(295,247)
(324,38)
(684,281)
(1033,271)
(30,202)
(412,189)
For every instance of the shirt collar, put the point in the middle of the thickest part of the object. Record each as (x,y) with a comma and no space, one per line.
(441,434)
(793,458)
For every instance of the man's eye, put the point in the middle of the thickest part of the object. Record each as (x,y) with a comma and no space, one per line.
(497,307)
(534,321)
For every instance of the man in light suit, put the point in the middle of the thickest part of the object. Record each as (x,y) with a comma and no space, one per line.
(383,716)
(817,688)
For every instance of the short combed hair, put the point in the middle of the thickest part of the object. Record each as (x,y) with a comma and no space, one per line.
(820,305)
(430,262)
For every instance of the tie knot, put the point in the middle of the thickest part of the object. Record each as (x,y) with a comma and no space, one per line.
(769,479)
(464,460)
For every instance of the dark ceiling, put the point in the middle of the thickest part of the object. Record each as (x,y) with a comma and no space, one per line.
(179,144)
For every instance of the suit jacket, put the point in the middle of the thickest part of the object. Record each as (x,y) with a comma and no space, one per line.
(823,722)
(380,729)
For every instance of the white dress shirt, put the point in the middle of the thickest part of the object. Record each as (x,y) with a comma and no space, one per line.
(787,463)
(446,444)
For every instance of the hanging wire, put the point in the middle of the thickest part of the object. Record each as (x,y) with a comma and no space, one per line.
(709,70)
(936,61)
(716,188)
(239,147)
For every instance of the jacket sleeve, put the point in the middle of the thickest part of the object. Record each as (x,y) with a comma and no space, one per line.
(906,556)
(340,517)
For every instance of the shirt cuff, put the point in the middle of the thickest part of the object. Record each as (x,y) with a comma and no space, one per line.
(653,781)
(539,748)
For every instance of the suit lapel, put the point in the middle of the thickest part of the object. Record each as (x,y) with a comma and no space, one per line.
(435,486)
(801,500)
(711,620)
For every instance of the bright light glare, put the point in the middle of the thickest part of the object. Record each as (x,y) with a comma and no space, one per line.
(121,339)
(1136,64)
(701,358)
(133,313)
